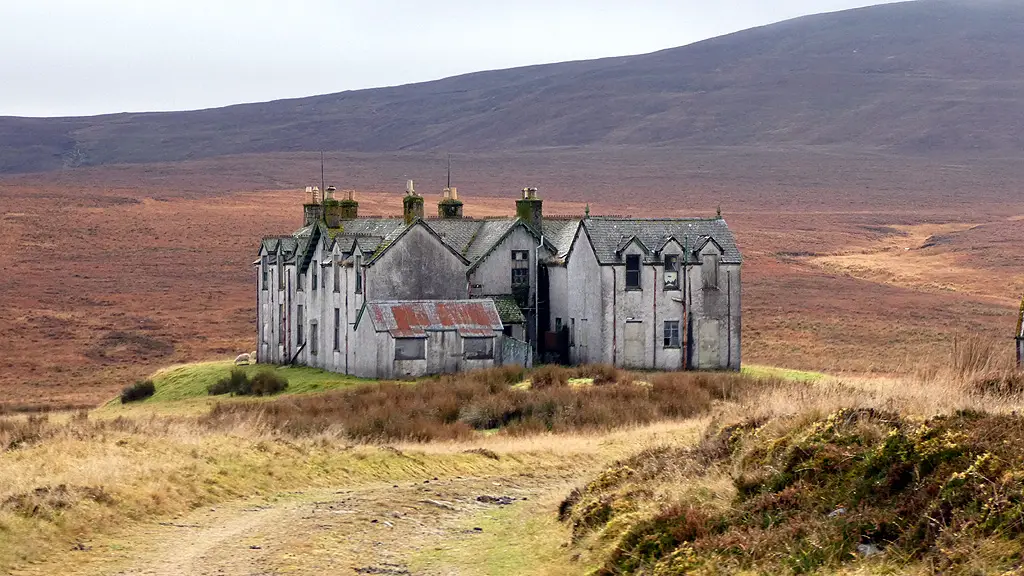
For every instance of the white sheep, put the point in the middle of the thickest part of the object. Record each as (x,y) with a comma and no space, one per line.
(243,360)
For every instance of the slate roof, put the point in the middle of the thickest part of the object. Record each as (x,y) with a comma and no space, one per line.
(508,309)
(414,318)
(560,233)
(610,234)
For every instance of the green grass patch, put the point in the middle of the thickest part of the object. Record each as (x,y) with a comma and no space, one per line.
(759,371)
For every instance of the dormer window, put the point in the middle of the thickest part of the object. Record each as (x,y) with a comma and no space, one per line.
(632,272)
(671,272)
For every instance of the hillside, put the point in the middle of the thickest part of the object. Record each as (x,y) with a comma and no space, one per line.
(926,77)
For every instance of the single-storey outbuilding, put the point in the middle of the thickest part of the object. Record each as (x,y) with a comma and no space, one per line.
(408,339)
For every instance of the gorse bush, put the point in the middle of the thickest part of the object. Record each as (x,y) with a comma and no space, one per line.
(138,391)
(461,405)
(266,382)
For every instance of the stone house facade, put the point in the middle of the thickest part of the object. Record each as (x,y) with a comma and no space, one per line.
(640,293)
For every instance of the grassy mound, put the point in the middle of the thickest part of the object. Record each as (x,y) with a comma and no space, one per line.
(797,496)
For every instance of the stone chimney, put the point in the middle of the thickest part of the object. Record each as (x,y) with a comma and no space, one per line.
(337,211)
(313,209)
(530,209)
(412,204)
(450,206)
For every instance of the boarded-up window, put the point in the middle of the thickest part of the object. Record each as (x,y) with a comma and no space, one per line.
(478,348)
(633,272)
(671,271)
(337,329)
(263,272)
(300,325)
(709,271)
(314,338)
(410,348)
(671,334)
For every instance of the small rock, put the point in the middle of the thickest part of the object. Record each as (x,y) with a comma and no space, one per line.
(478,529)
(374,521)
(868,550)
(255,547)
(837,512)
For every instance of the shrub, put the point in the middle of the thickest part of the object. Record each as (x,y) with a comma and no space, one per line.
(600,373)
(267,383)
(139,391)
(235,383)
(549,376)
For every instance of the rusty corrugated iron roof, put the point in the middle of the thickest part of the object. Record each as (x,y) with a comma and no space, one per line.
(414,318)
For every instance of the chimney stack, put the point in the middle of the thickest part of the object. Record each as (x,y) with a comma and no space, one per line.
(313,210)
(412,204)
(337,211)
(530,209)
(450,207)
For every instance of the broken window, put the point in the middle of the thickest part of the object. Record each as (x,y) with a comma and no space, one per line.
(359,274)
(671,271)
(709,271)
(263,272)
(671,334)
(300,325)
(410,348)
(520,268)
(478,348)
(314,337)
(633,272)
(337,329)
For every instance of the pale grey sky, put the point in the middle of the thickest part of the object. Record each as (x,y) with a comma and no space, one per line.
(75,57)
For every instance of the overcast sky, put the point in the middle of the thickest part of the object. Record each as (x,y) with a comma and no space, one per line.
(78,57)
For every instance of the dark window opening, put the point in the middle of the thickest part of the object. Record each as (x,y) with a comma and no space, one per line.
(558,324)
(314,277)
(671,334)
(337,329)
(263,273)
(280,274)
(478,348)
(314,338)
(507,331)
(337,277)
(633,272)
(671,271)
(359,274)
(300,325)
(520,268)
(410,348)
(300,281)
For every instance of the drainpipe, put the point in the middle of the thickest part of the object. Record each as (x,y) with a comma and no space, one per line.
(655,322)
(615,316)
(536,295)
(686,313)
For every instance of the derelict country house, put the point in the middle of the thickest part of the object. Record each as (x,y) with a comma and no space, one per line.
(410,296)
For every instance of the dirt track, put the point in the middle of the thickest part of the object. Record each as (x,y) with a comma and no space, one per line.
(373,529)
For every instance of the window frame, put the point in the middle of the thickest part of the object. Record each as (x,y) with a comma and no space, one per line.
(638,272)
(710,275)
(264,262)
(671,267)
(487,354)
(315,279)
(337,329)
(520,268)
(314,337)
(336,269)
(672,336)
(358,267)
(300,324)
(420,354)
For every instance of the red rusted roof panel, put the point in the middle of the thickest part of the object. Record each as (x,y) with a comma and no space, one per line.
(413,319)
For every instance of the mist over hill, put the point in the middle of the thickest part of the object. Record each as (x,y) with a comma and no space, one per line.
(928,77)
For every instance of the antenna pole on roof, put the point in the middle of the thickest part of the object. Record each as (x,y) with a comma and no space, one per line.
(449,170)
(322,186)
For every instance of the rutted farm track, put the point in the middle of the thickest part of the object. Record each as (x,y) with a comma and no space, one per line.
(375,529)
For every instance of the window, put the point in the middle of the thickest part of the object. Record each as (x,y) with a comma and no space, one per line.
(337,329)
(558,324)
(313,268)
(671,334)
(300,281)
(671,271)
(632,272)
(709,271)
(410,348)
(572,331)
(300,325)
(323,280)
(284,325)
(263,272)
(520,268)
(314,338)
(337,276)
(478,348)
(280,273)
(359,274)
